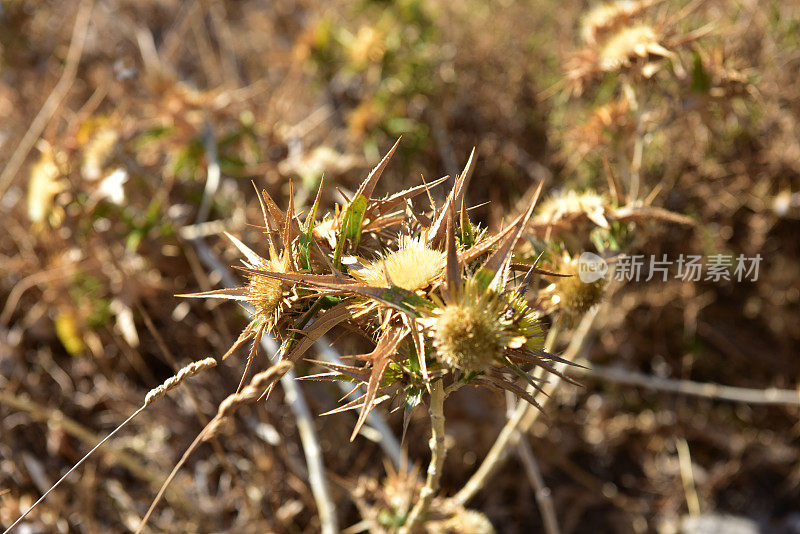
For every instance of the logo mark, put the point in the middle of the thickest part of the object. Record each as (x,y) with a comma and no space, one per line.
(591,267)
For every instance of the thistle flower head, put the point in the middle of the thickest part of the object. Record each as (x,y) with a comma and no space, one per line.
(629,43)
(608,16)
(570,292)
(265,294)
(468,333)
(412,267)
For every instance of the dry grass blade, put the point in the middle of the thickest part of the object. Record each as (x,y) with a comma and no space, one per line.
(499,383)
(355,404)
(251,393)
(498,260)
(230,293)
(453,202)
(452,271)
(368,186)
(358,373)
(289,225)
(251,356)
(418,336)
(651,213)
(291,228)
(171,383)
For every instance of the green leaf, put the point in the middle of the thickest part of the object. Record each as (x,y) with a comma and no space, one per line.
(307,236)
(353,219)
(701,81)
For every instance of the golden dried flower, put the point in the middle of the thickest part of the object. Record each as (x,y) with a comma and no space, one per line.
(412,267)
(45,182)
(628,44)
(98,151)
(468,333)
(607,17)
(265,293)
(573,294)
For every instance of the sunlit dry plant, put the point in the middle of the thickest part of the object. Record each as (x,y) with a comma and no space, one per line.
(604,125)
(384,505)
(45,183)
(433,304)
(438,295)
(607,17)
(618,38)
(570,293)
(574,213)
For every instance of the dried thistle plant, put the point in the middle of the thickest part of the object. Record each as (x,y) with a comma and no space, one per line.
(620,37)
(437,293)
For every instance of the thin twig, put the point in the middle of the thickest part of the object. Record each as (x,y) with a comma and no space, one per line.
(417,515)
(154,394)
(544,497)
(768,396)
(687,477)
(56,417)
(58,93)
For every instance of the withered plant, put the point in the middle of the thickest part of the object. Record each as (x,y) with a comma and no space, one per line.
(438,295)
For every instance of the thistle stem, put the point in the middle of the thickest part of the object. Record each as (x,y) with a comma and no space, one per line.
(523,415)
(428,492)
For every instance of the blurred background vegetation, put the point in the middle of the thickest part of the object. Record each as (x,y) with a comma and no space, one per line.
(106,136)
